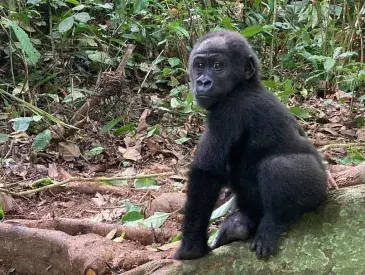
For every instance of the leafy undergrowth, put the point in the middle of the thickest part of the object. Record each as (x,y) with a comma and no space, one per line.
(142,200)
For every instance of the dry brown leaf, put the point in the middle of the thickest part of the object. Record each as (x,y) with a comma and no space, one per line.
(98,200)
(132,153)
(153,146)
(69,150)
(52,170)
(169,246)
(6,202)
(331,131)
(111,234)
(349,132)
(142,124)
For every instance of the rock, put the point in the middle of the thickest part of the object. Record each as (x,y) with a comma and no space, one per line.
(330,240)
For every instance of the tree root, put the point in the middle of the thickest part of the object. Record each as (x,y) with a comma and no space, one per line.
(353,175)
(39,251)
(143,235)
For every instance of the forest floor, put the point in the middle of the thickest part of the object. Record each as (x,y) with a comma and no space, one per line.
(332,123)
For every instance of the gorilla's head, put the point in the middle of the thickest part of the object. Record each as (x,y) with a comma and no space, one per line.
(219,62)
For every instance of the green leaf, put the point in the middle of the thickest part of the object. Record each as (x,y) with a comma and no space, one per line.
(251,31)
(4,137)
(74,2)
(36,118)
(131,207)
(328,64)
(101,57)
(66,24)
(124,129)
(157,220)
(2,214)
(132,216)
(139,5)
(299,112)
(111,124)
(212,236)
(175,103)
(227,23)
(42,140)
(270,83)
(174,61)
(153,130)
(94,151)
(181,140)
(21,123)
(82,17)
(26,45)
(222,210)
(42,182)
(115,182)
(146,183)
(78,7)
(178,237)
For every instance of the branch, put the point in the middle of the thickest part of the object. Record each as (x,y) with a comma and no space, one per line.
(57,184)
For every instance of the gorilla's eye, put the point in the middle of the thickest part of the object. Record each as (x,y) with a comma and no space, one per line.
(218,66)
(199,65)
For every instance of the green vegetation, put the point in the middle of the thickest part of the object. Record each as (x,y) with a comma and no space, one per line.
(53,51)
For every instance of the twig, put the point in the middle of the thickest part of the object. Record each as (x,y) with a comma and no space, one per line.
(148,73)
(337,145)
(8,192)
(57,184)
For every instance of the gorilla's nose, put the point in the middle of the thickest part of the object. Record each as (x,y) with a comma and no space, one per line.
(203,85)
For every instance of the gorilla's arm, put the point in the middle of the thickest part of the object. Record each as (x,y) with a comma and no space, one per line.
(207,176)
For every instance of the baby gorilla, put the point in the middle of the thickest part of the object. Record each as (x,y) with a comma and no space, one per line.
(253,143)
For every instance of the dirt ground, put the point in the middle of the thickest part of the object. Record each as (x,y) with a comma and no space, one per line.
(332,123)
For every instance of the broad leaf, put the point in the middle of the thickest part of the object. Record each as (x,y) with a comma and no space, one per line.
(101,57)
(66,24)
(111,124)
(82,17)
(174,61)
(181,140)
(299,112)
(4,137)
(21,123)
(124,129)
(139,5)
(27,46)
(251,31)
(132,216)
(328,64)
(222,210)
(94,151)
(42,140)
(157,220)
(146,183)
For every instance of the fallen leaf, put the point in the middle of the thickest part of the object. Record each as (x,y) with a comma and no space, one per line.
(132,153)
(69,150)
(98,200)
(329,130)
(6,202)
(142,124)
(52,170)
(111,234)
(169,246)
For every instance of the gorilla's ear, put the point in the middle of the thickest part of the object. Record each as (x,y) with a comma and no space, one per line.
(250,68)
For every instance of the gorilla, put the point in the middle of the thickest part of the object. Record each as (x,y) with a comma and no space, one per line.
(253,144)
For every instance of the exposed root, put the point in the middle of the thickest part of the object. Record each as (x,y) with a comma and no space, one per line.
(143,235)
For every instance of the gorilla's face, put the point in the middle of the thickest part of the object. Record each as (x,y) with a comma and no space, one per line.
(215,69)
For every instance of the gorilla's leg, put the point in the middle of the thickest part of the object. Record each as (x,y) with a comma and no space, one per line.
(236,226)
(289,186)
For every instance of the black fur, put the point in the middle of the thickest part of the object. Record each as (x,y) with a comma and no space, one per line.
(275,172)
